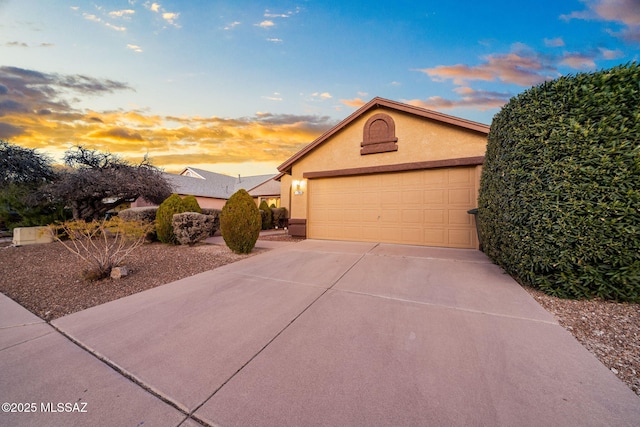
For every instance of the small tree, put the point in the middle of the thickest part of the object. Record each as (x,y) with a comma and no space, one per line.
(191,204)
(164,218)
(240,222)
(95,182)
(267,219)
(100,245)
(23,171)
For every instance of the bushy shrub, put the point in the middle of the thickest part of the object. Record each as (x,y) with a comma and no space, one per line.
(240,222)
(146,214)
(559,204)
(215,213)
(191,204)
(164,217)
(267,217)
(279,217)
(191,227)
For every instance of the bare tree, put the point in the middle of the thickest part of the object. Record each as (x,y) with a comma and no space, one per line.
(95,182)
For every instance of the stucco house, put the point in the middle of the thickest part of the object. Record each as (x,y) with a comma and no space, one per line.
(212,190)
(390,172)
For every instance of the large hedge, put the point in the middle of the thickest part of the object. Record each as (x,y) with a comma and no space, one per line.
(240,222)
(559,204)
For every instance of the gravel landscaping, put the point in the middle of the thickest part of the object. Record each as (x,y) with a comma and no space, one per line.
(45,279)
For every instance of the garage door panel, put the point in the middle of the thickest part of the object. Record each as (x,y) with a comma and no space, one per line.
(460,196)
(420,207)
(435,216)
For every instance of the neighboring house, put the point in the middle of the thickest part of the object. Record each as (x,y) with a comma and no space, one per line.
(212,190)
(390,172)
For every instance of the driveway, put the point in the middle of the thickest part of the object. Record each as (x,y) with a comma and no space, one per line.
(317,333)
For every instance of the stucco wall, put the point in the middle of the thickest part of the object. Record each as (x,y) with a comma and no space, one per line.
(419,140)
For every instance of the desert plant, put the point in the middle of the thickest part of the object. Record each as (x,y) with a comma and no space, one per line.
(192,227)
(240,222)
(215,214)
(559,193)
(191,204)
(267,217)
(164,218)
(100,245)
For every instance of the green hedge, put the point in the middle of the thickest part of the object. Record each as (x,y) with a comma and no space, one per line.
(559,204)
(164,217)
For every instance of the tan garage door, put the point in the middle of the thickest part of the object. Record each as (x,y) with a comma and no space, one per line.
(427,207)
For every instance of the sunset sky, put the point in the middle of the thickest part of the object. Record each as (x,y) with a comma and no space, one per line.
(237,87)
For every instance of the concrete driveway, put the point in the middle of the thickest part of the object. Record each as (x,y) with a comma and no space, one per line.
(316,333)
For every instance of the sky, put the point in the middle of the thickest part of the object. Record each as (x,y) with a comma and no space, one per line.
(237,87)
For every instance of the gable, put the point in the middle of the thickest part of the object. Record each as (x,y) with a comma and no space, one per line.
(385,132)
(382,137)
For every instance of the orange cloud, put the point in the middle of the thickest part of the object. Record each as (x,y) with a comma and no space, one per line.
(471,98)
(356,102)
(626,12)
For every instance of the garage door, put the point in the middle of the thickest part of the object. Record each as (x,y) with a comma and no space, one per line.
(427,207)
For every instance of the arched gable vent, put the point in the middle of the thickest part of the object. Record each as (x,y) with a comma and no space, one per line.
(379,135)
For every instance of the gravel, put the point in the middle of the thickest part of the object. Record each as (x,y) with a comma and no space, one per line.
(45,279)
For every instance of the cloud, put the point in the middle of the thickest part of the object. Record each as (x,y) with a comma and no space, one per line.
(16,44)
(135,48)
(470,98)
(623,12)
(356,102)
(41,115)
(579,61)
(269,14)
(121,13)
(265,24)
(321,96)
(169,17)
(274,40)
(232,25)
(117,133)
(94,18)
(8,131)
(522,68)
(556,42)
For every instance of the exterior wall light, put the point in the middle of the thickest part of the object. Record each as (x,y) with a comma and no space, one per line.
(298,186)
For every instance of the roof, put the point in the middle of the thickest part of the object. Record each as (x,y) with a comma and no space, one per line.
(391,105)
(211,184)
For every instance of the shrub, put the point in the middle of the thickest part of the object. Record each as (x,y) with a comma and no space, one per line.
(279,217)
(164,217)
(559,193)
(191,204)
(146,214)
(191,227)
(240,222)
(215,213)
(100,245)
(267,217)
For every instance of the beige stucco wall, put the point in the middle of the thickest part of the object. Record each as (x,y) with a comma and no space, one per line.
(419,140)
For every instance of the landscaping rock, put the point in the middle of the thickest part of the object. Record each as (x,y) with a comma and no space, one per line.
(119,272)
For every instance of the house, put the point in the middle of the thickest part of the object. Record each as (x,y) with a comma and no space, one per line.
(390,172)
(212,190)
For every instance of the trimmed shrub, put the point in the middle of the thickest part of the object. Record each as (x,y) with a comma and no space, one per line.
(240,222)
(164,217)
(191,204)
(146,214)
(215,213)
(559,204)
(267,217)
(279,217)
(191,227)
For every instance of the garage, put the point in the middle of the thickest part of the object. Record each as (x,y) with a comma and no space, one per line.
(426,207)
(390,173)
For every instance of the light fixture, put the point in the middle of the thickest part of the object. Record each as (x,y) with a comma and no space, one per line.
(298,186)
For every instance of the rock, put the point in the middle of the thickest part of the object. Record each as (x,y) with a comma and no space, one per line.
(119,272)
